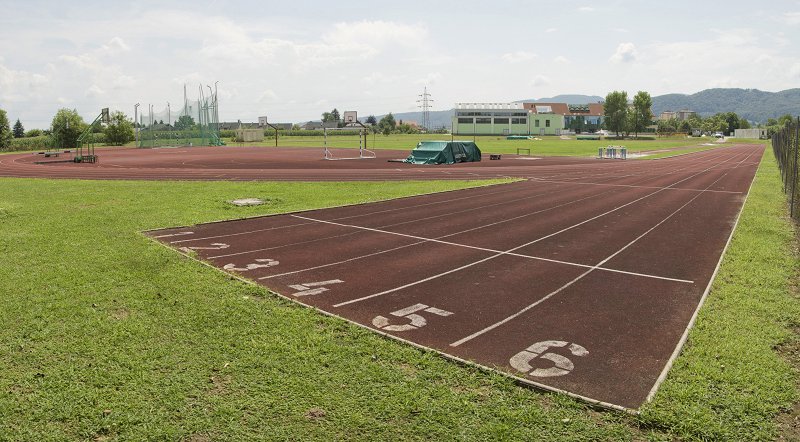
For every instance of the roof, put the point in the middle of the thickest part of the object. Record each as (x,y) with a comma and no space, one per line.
(566,109)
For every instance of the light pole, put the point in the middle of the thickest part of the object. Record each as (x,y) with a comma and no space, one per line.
(136,122)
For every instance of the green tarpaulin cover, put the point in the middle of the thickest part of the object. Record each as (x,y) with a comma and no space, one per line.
(444,152)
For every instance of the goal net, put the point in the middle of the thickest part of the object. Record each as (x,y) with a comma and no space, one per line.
(340,143)
(193,123)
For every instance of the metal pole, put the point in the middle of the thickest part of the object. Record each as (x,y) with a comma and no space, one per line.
(794,173)
(136,122)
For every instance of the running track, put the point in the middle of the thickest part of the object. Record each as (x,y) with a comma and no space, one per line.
(584,278)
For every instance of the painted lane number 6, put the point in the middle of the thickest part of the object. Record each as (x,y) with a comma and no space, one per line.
(409,313)
(522,360)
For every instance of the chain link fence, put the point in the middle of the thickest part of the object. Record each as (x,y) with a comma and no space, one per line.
(786,144)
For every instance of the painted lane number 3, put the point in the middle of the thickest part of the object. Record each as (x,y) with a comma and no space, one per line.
(409,313)
(561,365)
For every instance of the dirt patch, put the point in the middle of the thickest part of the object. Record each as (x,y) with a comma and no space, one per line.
(219,384)
(120,314)
(315,414)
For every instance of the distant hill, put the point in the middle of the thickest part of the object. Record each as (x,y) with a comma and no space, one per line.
(569,99)
(752,104)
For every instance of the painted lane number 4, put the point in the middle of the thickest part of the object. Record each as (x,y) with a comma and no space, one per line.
(313,288)
(522,360)
(409,313)
(259,264)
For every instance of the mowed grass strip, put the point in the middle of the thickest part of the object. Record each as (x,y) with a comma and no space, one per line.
(108,335)
(735,374)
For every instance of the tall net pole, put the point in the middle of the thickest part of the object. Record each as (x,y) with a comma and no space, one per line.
(425,103)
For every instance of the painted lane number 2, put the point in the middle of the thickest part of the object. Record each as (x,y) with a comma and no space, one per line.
(561,365)
(409,313)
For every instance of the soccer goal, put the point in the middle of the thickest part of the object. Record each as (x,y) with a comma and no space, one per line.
(343,137)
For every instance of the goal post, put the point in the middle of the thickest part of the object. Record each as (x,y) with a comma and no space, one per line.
(355,129)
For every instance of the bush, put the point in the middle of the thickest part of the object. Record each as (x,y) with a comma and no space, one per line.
(34,133)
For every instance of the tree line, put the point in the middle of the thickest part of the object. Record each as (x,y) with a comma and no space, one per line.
(387,124)
(67,125)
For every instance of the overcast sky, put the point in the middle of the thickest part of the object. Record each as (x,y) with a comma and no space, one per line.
(291,61)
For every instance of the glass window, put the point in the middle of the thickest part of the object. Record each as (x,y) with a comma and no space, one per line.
(465,121)
(501,121)
(537,123)
(546,123)
(518,121)
(483,121)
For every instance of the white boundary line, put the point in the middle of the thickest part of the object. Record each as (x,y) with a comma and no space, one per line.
(514,248)
(685,336)
(555,292)
(483,249)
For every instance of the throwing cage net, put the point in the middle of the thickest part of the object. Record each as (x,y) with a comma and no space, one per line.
(195,123)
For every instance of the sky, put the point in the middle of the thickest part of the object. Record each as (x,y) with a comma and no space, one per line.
(292,61)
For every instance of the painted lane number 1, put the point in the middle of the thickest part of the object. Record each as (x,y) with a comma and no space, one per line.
(409,313)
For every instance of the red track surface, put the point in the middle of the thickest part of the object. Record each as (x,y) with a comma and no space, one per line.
(582,279)
(261,163)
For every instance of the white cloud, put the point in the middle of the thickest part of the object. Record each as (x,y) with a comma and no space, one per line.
(791,18)
(540,80)
(550,30)
(794,71)
(625,53)
(518,56)
(586,9)
(431,78)
(561,60)
(94,91)
(267,96)
(115,46)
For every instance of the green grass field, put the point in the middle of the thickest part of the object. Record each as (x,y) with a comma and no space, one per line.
(107,335)
(545,146)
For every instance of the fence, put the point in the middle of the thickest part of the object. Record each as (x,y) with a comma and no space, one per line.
(786,144)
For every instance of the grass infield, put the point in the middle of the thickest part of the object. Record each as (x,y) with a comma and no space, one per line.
(107,335)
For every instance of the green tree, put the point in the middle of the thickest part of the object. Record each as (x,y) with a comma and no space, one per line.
(642,113)
(184,122)
(5,131)
(119,130)
(335,115)
(34,133)
(371,120)
(19,131)
(66,127)
(327,117)
(616,111)
(785,119)
(387,124)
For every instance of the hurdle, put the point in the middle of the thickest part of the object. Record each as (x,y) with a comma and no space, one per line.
(612,153)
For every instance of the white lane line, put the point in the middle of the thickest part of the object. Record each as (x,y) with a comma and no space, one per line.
(416,220)
(560,289)
(424,240)
(351,216)
(634,186)
(515,248)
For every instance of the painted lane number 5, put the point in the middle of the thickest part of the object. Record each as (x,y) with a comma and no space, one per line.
(522,360)
(409,313)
